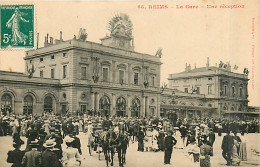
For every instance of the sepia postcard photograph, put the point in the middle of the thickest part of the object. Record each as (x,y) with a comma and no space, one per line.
(129,83)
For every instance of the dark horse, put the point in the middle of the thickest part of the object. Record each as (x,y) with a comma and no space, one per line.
(108,145)
(122,143)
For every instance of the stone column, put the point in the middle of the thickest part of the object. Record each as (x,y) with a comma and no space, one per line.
(113,105)
(128,111)
(92,102)
(143,108)
(97,101)
(146,107)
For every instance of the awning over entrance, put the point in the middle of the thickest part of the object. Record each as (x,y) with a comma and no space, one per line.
(240,112)
(187,107)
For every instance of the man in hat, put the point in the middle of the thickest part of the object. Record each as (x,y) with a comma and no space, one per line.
(183,131)
(76,142)
(211,137)
(49,158)
(32,158)
(227,146)
(15,156)
(170,141)
(140,138)
(107,124)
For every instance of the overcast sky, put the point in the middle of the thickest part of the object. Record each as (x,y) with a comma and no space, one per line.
(186,35)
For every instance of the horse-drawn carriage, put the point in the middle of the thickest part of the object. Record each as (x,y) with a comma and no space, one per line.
(109,143)
(94,141)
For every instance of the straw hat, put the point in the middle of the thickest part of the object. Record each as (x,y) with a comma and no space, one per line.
(49,143)
(34,142)
(68,139)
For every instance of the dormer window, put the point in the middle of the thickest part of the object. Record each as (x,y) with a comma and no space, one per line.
(41,59)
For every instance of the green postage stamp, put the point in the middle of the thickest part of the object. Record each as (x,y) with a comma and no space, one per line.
(17,26)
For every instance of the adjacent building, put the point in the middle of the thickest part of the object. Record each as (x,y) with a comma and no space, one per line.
(210,91)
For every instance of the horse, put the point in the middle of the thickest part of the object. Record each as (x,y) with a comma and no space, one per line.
(108,141)
(122,143)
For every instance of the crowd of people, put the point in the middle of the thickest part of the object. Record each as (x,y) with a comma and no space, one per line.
(46,133)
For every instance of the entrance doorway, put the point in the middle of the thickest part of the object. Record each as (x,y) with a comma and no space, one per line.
(120,107)
(104,105)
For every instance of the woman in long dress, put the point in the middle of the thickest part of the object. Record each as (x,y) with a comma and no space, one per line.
(14,23)
(234,156)
(148,139)
(177,136)
(71,156)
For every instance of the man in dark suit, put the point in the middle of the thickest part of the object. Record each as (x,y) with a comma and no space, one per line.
(15,156)
(76,142)
(32,158)
(227,145)
(170,141)
(49,158)
(211,137)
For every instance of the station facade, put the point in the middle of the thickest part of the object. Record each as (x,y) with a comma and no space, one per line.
(107,78)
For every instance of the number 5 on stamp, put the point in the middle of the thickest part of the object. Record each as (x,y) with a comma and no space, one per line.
(17,26)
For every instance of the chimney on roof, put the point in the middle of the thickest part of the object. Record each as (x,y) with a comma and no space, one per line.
(47,42)
(195,66)
(61,35)
(207,65)
(186,67)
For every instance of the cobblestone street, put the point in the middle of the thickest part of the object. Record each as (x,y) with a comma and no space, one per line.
(142,159)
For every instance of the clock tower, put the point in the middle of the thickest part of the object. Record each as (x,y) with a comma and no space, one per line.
(120,27)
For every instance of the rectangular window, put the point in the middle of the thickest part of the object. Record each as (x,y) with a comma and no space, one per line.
(41,73)
(52,57)
(64,54)
(65,71)
(240,92)
(135,78)
(233,91)
(83,72)
(186,90)
(209,89)
(225,90)
(210,79)
(52,73)
(121,76)
(153,81)
(41,59)
(64,109)
(105,74)
(198,90)
(83,108)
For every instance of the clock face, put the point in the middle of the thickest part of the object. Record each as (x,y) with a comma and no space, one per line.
(121,43)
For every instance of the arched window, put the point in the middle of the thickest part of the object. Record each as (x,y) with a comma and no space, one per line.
(48,104)
(104,105)
(6,103)
(135,108)
(120,106)
(225,108)
(240,108)
(28,105)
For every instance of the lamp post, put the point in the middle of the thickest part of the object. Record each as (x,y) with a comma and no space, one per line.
(173,113)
